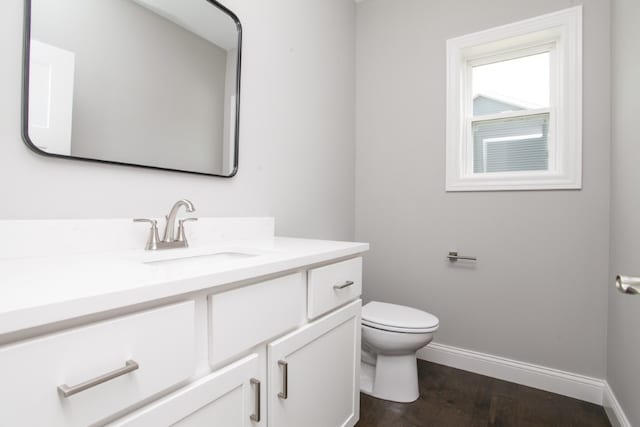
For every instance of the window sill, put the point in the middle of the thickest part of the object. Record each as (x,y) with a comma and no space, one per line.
(529,182)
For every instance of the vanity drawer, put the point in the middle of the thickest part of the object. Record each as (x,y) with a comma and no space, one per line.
(245,317)
(333,285)
(161,342)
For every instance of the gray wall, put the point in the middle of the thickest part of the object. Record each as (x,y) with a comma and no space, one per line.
(149,93)
(297,132)
(623,373)
(538,292)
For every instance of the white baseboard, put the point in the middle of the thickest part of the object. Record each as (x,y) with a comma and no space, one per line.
(561,382)
(614,410)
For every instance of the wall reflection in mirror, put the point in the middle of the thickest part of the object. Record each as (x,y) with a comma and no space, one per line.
(144,82)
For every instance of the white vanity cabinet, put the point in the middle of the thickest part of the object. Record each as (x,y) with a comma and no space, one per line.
(274,345)
(314,372)
(312,368)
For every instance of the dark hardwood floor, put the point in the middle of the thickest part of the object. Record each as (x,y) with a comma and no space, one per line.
(451,397)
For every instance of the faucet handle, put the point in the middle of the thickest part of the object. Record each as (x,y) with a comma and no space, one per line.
(181,234)
(152,241)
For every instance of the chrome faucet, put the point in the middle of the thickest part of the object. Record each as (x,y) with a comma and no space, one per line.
(170,239)
(169,229)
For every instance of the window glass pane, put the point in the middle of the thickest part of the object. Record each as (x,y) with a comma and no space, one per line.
(514,144)
(512,85)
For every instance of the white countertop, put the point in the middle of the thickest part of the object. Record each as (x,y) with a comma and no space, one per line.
(36,291)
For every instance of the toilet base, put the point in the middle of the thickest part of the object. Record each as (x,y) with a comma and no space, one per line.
(393,378)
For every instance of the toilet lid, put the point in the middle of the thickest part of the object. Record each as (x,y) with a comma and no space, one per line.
(397,317)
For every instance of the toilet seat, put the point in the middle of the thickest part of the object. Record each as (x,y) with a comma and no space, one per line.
(398,329)
(398,318)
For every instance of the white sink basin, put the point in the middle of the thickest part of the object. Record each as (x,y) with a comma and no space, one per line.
(201,259)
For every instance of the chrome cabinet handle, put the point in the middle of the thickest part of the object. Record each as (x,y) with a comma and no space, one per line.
(130,366)
(628,285)
(453,256)
(344,285)
(256,408)
(285,379)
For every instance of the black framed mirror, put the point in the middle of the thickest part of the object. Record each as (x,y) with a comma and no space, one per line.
(150,83)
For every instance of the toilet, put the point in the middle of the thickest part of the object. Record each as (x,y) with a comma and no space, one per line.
(391,336)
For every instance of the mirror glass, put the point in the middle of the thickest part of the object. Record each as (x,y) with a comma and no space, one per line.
(151,83)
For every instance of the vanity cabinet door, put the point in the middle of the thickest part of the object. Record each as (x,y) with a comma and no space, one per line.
(228,397)
(314,373)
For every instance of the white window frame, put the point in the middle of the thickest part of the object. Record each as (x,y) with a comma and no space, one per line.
(560,34)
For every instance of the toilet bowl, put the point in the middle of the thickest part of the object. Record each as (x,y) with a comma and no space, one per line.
(391,336)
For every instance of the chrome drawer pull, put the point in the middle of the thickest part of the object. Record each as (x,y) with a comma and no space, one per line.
(256,408)
(344,285)
(130,366)
(285,379)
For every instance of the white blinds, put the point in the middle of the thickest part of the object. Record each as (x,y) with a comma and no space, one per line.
(511,144)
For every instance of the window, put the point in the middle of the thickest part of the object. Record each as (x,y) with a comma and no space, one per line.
(514,108)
